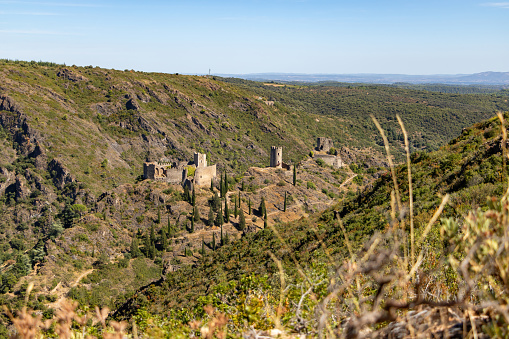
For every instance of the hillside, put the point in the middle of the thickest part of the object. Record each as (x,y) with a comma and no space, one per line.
(78,221)
(243,279)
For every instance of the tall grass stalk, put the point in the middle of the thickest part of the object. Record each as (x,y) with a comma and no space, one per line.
(410,190)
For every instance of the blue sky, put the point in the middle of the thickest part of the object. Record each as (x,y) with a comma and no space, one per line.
(251,36)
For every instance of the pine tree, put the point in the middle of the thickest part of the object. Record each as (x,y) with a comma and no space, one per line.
(192,226)
(249,205)
(226,211)
(164,239)
(242,220)
(210,220)
(265,220)
(213,241)
(236,210)
(196,214)
(284,208)
(294,174)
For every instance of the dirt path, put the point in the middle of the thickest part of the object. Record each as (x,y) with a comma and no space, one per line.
(61,291)
(348,180)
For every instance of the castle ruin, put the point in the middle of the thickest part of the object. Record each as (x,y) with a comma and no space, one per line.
(176,172)
(323,145)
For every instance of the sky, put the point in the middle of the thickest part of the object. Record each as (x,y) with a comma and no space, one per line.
(257,36)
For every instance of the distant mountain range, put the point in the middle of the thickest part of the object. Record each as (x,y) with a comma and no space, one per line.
(484,78)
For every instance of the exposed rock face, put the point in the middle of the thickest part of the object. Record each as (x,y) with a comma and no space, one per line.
(22,190)
(41,160)
(70,75)
(60,174)
(8,104)
(132,104)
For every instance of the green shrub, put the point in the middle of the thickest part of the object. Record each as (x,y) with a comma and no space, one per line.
(311,185)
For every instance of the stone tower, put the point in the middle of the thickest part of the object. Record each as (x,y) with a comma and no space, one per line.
(323,144)
(200,160)
(276,156)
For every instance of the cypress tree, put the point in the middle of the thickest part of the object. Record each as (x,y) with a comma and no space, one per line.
(242,220)
(164,239)
(186,193)
(221,188)
(192,226)
(202,246)
(226,211)
(213,241)
(194,197)
(265,220)
(225,183)
(294,174)
(210,220)
(135,247)
(196,214)
(236,210)
(219,218)
(242,186)
(212,184)
(216,202)
(147,246)
(170,229)
(249,205)
(284,208)
(152,235)
(158,215)
(226,239)
(262,209)
(222,239)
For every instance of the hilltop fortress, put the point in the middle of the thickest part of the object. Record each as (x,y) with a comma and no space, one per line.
(177,172)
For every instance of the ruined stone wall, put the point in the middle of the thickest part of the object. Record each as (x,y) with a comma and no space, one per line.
(174,176)
(203,175)
(331,160)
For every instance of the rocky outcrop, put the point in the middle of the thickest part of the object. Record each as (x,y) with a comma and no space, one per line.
(60,174)
(8,104)
(22,191)
(17,125)
(70,75)
(132,104)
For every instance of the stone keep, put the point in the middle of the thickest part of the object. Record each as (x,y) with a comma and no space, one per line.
(200,160)
(276,156)
(323,144)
